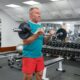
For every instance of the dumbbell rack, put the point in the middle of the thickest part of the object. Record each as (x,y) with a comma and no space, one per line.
(62,48)
(67,49)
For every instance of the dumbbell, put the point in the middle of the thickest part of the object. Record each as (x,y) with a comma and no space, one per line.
(24,31)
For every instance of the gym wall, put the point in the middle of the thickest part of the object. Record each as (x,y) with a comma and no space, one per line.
(8,37)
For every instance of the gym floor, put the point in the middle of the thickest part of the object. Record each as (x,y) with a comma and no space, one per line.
(72,71)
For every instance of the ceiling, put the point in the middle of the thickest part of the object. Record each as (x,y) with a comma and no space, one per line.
(59,10)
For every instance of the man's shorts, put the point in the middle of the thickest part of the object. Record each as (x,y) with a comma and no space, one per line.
(31,65)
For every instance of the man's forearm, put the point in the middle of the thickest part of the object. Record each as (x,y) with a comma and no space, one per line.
(30,39)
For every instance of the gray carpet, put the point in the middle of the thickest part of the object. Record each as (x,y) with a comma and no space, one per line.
(72,71)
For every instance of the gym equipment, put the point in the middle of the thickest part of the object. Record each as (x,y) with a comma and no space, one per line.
(15,62)
(24,32)
(61,34)
(68,50)
(50,62)
(10,55)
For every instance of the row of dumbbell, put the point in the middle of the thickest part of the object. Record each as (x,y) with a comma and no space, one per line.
(63,53)
(63,44)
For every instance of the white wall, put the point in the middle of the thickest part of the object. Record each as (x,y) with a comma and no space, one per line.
(9,38)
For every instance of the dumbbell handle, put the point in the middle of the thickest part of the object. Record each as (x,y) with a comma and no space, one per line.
(17,30)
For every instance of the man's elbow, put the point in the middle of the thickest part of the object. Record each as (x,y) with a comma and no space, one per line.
(26,41)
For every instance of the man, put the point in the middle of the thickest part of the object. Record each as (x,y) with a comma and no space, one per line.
(32,61)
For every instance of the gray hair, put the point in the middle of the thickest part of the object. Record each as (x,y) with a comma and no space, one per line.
(33,8)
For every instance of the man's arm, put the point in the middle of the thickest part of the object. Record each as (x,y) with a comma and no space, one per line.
(30,39)
(33,37)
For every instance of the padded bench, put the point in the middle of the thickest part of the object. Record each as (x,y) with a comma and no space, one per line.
(50,62)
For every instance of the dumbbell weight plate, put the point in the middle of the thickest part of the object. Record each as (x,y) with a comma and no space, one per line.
(26,31)
(61,34)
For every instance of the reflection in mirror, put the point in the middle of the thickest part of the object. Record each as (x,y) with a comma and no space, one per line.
(72,29)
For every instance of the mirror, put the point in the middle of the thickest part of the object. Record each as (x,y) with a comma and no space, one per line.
(73,30)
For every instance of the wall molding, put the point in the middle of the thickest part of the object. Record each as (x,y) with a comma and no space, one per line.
(5,49)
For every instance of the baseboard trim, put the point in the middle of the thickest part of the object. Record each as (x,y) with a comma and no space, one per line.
(5,49)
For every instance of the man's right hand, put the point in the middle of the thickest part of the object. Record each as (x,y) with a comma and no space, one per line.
(40,31)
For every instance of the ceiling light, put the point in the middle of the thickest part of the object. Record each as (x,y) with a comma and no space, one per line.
(13,5)
(54,0)
(31,2)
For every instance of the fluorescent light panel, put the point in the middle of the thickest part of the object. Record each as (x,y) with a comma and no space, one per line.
(12,5)
(54,0)
(31,2)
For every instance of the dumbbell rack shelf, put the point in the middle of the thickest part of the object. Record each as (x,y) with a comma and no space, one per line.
(61,48)
(66,52)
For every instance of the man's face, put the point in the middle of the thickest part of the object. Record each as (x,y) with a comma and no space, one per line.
(35,15)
